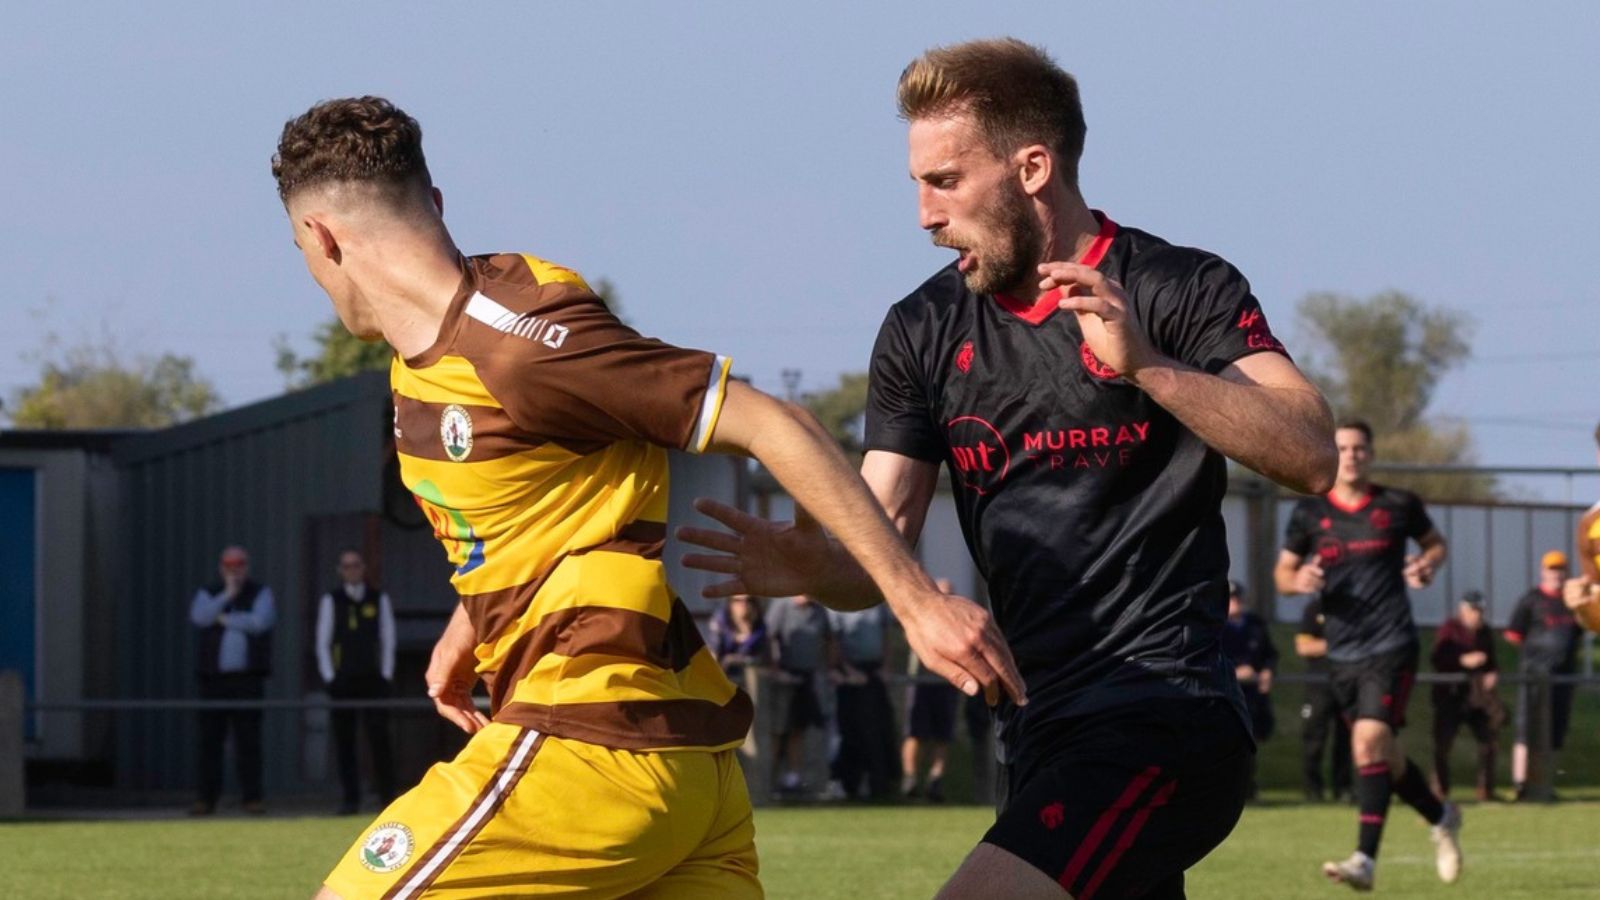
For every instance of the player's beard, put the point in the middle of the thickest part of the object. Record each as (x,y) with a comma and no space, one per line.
(1007,246)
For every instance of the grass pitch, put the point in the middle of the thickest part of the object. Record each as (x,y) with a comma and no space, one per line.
(837,852)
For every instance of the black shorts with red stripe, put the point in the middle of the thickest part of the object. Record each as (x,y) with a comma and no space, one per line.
(1118,804)
(1377,687)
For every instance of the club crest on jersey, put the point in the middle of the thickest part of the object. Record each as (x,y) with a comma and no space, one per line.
(964,358)
(1380,519)
(1096,368)
(387,847)
(455,430)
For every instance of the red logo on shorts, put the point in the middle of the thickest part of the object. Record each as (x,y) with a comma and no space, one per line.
(964,358)
(1053,815)
(1091,362)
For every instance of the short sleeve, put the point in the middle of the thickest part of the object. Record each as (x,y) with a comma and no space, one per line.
(1521,617)
(1299,536)
(587,378)
(898,416)
(1214,320)
(1418,522)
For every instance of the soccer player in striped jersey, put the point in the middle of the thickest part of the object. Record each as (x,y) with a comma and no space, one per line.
(533,428)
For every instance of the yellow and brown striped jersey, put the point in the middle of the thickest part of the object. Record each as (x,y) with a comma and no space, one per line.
(532,435)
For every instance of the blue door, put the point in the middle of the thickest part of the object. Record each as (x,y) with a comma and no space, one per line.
(19,554)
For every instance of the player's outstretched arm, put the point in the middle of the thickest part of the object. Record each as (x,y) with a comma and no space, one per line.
(1260,411)
(954,636)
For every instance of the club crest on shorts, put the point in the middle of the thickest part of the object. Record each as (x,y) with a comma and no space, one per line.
(455,430)
(387,847)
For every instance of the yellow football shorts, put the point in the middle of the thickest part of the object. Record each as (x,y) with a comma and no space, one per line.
(521,814)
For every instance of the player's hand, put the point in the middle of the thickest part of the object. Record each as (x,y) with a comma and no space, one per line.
(1418,572)
(1473,659)
(1309,578)
(1264,681)
(1576,592)
(768,559)
(959,641)
(451,674)
(1109,323)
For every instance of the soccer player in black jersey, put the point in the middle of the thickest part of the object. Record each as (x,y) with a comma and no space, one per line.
(1349,547)
(1082,383)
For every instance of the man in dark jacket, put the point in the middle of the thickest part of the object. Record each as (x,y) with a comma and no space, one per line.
(1464,645)
(234,618)
(355,656)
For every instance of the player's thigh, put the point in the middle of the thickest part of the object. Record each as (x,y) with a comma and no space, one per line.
(990,871)
(517,814)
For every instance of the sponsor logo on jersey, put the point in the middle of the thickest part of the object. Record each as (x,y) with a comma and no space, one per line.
(982,455)
(964,358)
(1258,336)
(1096,368)
(455,430)
(387,847)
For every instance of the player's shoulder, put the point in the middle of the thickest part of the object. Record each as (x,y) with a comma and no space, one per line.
(1392,496)
(933,299)
(522,282)
(1147,262)
(1311,505)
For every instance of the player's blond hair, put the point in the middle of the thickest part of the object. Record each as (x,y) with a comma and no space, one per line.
(1015,92)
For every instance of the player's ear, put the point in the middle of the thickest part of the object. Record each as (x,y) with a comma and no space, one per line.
(1035,168)
(327,244)
(438,200)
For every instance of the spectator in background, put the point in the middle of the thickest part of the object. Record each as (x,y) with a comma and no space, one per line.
(802,648)
(1319,714)
(739,642)
(1248,644)
(1545,627)
(739,639)
(233,618)
(866,718)
(1464,645)
(355,656)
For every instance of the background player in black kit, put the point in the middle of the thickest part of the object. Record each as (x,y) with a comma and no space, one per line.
(1350,547)
(1083,409)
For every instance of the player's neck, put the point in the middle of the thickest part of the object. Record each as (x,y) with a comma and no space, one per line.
(409,284)
(1351,492)
(1070,229)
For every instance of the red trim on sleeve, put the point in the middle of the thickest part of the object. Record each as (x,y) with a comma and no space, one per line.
(1036,312)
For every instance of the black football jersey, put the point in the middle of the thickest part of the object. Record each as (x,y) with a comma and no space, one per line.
(1549,632)
(1091,512)
(1362,548)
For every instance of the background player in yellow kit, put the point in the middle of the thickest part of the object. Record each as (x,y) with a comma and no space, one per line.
(530,425)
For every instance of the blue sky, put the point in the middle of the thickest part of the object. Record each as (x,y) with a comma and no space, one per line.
(737,169)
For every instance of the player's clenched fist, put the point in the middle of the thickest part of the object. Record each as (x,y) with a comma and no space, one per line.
(1309,578)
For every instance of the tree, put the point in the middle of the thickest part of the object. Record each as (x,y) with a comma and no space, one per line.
(89,386)
(1380,359)
(338,353)
(842,410)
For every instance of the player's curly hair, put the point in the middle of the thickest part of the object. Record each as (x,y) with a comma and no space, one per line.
(1015,91)
(354,139)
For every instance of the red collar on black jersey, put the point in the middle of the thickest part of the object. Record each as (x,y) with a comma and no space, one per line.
(1036,312)
(1358,506)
